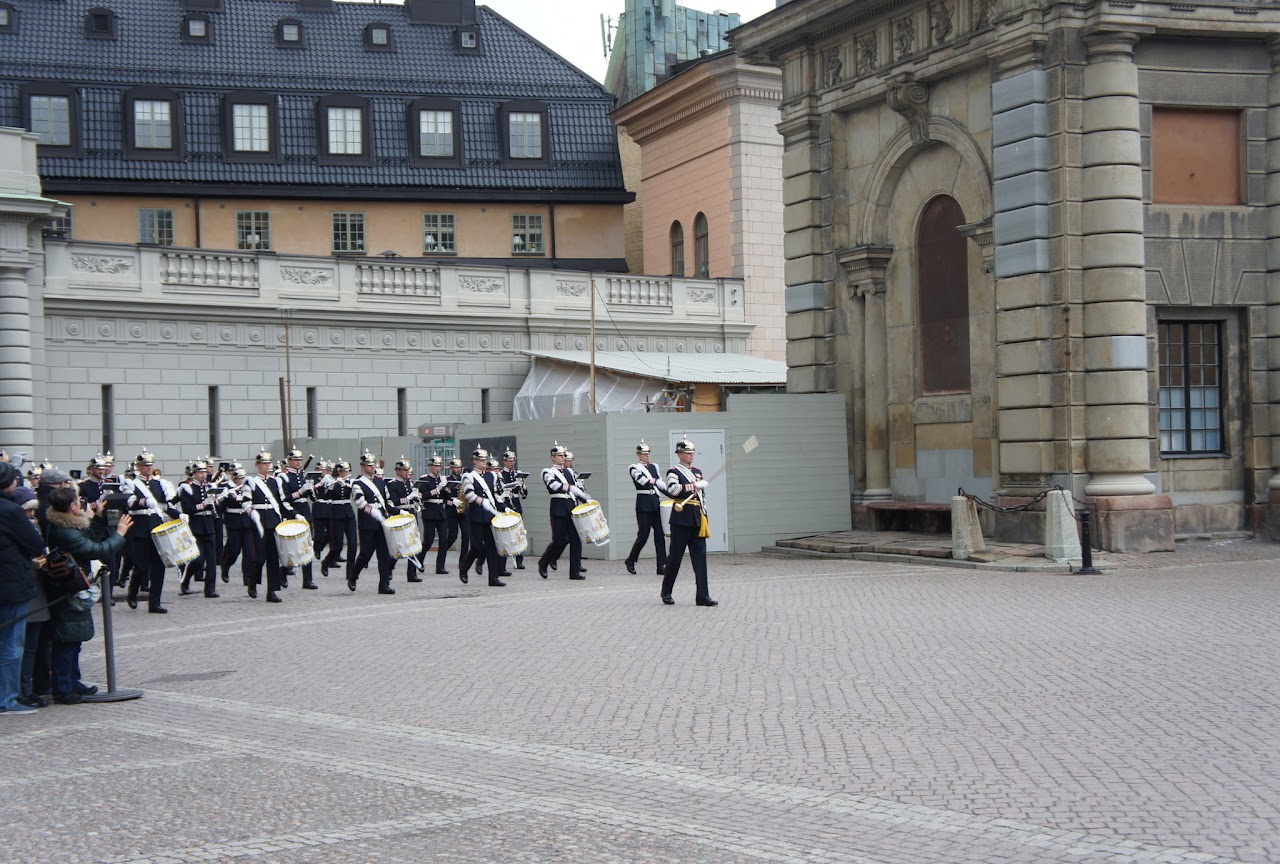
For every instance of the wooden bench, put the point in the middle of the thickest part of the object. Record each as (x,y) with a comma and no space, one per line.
(923,516)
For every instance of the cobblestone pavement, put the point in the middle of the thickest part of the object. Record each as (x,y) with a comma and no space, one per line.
(826,711)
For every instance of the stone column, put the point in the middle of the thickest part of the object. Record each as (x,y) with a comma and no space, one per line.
(1117,417)
(1273,280)
(17,420)
(865,267)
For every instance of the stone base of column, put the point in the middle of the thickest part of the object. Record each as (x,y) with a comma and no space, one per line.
(1273,515)
(1134,523)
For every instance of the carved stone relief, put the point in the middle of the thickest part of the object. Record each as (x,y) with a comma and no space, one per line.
(101,264)
(305,276)
(911,99)
(571,289)
(940,22)
(480,284)
(834,66)
(868,49)
(904,38)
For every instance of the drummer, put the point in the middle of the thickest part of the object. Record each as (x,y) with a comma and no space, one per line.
(369,497)
(300,492)
(196,498)
(480,488)
(150,503)
(405,498)
(563,490)
(515,490)
(271,507)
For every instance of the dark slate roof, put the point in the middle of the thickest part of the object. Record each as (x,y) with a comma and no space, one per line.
(50,46)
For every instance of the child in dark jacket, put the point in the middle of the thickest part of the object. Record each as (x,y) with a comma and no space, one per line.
(72,620)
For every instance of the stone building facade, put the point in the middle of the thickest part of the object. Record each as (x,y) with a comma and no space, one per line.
(1039,244)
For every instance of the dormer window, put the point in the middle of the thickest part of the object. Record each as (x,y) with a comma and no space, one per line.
(377,37)
(100,23)
(8,19)
(290,34)
(435,133)
(526,140)
(197,28)
(153,124)
(467,39)
(342,121)
(52,112)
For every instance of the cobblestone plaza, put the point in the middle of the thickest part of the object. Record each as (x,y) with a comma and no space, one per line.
(826,711)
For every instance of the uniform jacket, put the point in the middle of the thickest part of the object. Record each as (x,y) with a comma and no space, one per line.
(435,496)
(293,483)
(151,511)
(678,477)
(265,492)
(561,484)
(508,478)
(340,492)
(372,492)
(400,495)
(647,480)
(197,501)
(480,487)
(231,501)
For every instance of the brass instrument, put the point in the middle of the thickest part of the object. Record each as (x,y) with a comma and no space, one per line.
(456,493)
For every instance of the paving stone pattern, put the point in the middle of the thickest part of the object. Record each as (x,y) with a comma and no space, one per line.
(839,711)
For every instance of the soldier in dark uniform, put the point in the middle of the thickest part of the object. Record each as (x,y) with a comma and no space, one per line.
(435,502)
(342,519)
(564,490)
(320,507)
(685,484)
(196,499)
(481,490)
(151,504)
(93,491)
(272,507)
(455,508)
(647,478)
(403,497)
(300,492)
(515,490)
(233,502)
(369,496)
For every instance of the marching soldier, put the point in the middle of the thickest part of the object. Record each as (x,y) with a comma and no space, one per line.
(369,496)
(686,485)
(271,505)
(433,492)
(320,508)
(481,491)
(93,491)
(197,502)
(560,484)
(581,483)
(150,503)
(456,508)
(300,492)
(515,490)
(646,477)
(342,519)
(234,504)
(404,498)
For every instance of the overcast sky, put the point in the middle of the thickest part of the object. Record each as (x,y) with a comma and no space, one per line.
(571,28)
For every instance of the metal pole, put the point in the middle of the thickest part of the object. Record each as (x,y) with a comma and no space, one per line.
(284,418)
(109,649)
(1086,545)
(288,382)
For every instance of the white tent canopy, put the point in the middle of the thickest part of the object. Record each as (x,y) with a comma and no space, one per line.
(559,382)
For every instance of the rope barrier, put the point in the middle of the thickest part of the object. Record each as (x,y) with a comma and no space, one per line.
(1090,507)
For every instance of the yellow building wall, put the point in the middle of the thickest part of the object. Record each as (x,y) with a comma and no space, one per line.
(305,228)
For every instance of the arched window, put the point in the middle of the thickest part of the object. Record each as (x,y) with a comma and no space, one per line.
(701,254)
(677,249)
(942,266)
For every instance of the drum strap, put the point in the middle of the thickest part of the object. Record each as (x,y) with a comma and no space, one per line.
(378,500)
(266,491)
(488,493)
(689,477)
(145,488)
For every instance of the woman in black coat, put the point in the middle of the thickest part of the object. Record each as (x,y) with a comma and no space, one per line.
(20,543)
(68,530)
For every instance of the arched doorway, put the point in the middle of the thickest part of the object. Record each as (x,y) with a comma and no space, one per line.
(942,268)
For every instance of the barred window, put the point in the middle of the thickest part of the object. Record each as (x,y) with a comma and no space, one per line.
(348,233)
(252,128)
(51,119)
(152,124)
(438,236)
(525,131)
(1190,396)
(526,234)
(253,229)
(346,131)
(155,227)
(435,133)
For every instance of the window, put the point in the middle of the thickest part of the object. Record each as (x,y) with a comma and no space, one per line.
(526,234)
(377,37)
(313,413)
(152,125)
(100,24)
(251,127)
(253,229)
(8,18)
(215,422)
(343,124)
(677,249)
(435,133)
(402,411)
(346,135)
(525,131)
(108,419)
(1195,156)
(468,39)
(290,34)
(155,227)
(526,140)
(438,236)
(59,226)
(484,404)
(701,250)
(348,233)
(942,266)
(51,119)
(1190,397)
(197,28)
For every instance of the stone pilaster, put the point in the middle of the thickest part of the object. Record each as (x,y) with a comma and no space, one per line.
(1273,281)
(17,420)
(865,268)
(1117,417)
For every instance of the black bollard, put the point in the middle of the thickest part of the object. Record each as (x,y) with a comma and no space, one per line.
(1086,545)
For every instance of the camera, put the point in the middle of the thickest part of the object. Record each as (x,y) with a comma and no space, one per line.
(76,473)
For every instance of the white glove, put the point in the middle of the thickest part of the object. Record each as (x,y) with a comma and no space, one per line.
(489,507)
(377,514)
(701,484)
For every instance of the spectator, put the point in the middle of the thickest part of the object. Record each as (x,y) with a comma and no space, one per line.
(72,621)
(20,547)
